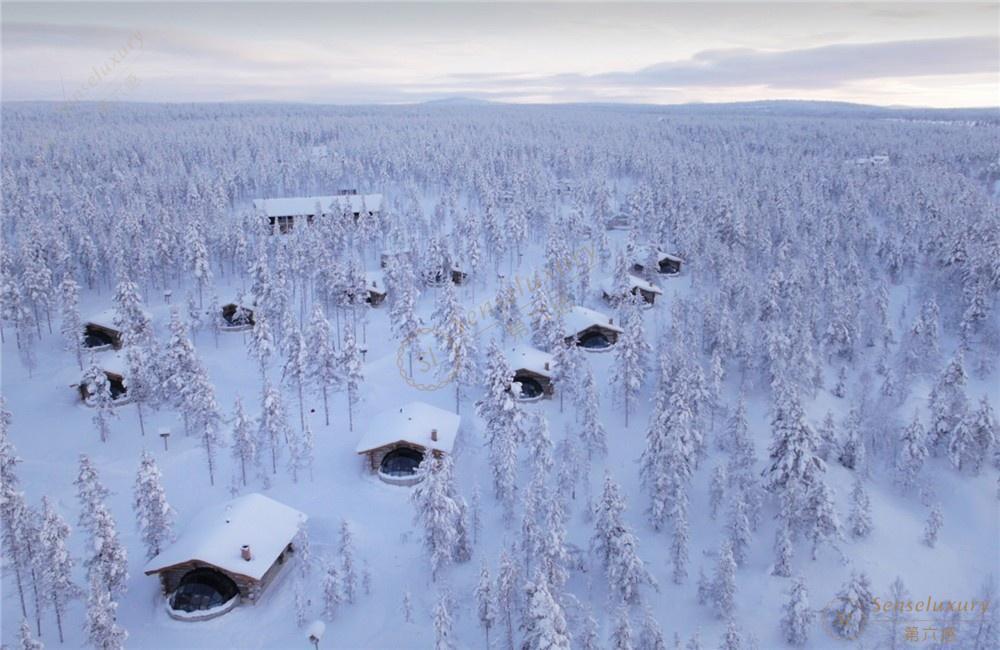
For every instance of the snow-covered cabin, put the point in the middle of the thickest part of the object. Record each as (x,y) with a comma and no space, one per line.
(458,273)
(636,285)
(397,440)
(375,281)
(101,333)
(114,369)
(589,329)
(230,552)
(657,261)
(236,317)
(282,214)
(532,372)
(618,222)
(876,160)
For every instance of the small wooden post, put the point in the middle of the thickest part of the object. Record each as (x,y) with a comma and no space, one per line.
(164,433)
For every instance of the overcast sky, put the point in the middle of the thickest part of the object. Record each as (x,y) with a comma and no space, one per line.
(914,53)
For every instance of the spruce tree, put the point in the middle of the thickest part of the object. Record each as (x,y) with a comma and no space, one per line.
(544,622)
(798,617)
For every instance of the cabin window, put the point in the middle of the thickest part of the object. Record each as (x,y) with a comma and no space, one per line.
(203,589)
(96,338)
(401,462)
(530,387)
(117,386)
(594,341)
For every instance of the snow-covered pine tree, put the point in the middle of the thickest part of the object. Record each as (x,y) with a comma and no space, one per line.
(55,565)
(651,635)
(983,436)
(130,318)
(261,342)
(912,453)
(456,339)
(798,617)
(733,638)
(333,591)
(154,516)
(630,352)
(544,622)
(25,640)
(795,468)
(827,433)
(783,551)
(897,617)
(109,564)
(443,625)
(860,519)
(98,389)
(486,609)
(273,429)
(935,520)
(201,412)
(821,521)
(592,431)
(348,570)
(402,311)
(71,326)
(717,489)
(140,378)
(197,258)
(19,531)
(544,319)
(244,442)
(738,528)
(322,364)
(615,545)
(948,404)
(507,589)
(849,617)
(588,637)
(294,372)
(852,452)
(437,512)
(621,635)
(724,583)
(352,372)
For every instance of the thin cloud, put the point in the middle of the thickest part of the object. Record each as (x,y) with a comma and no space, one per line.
(819,67)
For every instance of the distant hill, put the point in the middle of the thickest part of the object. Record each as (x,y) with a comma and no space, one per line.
(458,101)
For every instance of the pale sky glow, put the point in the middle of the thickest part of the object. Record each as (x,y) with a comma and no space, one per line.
(918,54)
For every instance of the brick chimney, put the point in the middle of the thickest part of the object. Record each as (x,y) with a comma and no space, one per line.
(245,552)
(434,435)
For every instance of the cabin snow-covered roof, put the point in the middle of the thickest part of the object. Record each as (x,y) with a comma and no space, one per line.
(634,282)
(524,357)
(111,363)
(411,423)
(216,534)
(580,318)
(375,281)
(647,252)
(306,205)
(104,319)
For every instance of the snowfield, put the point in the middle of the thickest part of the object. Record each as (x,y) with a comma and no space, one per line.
(803,278)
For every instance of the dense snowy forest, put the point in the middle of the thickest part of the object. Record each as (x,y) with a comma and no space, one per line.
(800,428)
